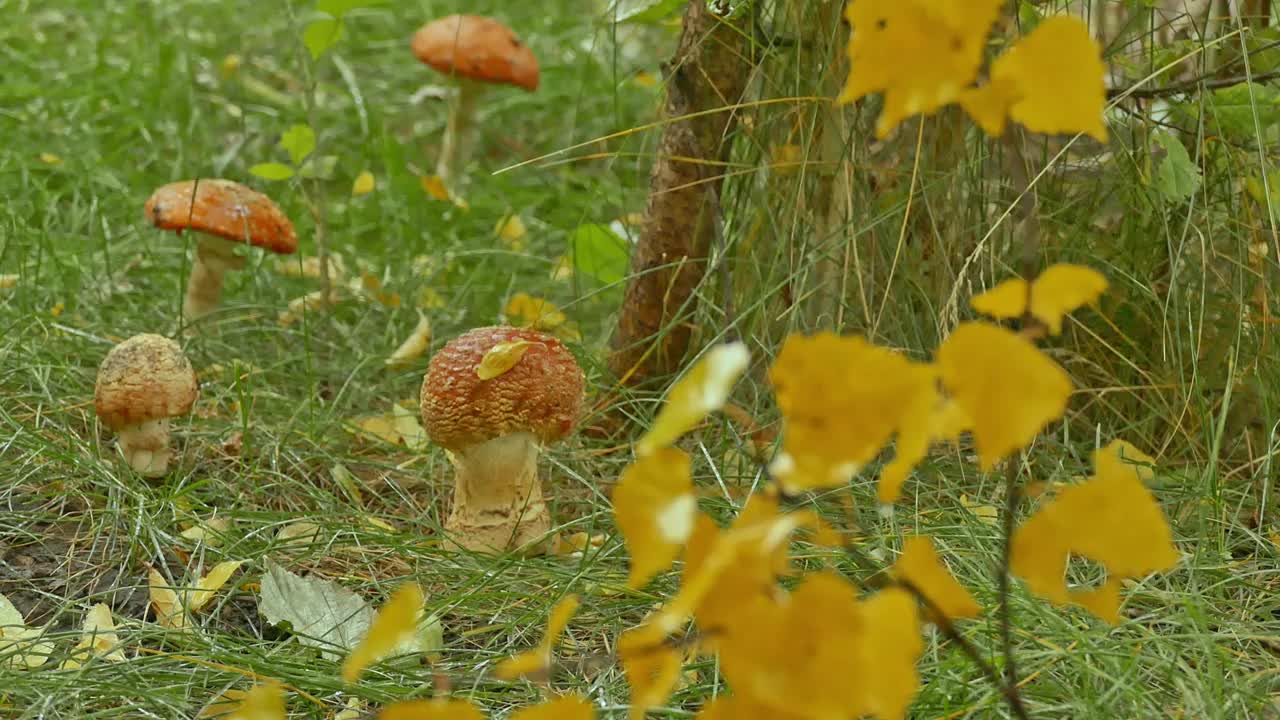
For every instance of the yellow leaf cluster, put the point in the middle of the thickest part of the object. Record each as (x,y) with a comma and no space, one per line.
(1058,291)
(524,310)
(655,508)
(920,565)
(702,391)
(1111,519)
(926,54)
(395,623)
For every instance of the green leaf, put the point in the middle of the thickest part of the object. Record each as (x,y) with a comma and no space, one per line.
(272,171)
(321,35)
(1177,177)
(1231,109)
(338,8)
(320,166)
(598,252)
(298,141)
(652,11)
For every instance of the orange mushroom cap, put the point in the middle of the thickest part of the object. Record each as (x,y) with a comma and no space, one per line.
(478,48)
(541,394)
(223,208)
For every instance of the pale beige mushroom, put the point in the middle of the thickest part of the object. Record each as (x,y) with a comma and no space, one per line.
(142,383)
(494,429)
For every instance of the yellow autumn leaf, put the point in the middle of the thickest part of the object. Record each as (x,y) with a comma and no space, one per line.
(223,704)
(1055,293)
(409,428)
(429,299)
(57,309)
(8,281)
(703,390)
(511,231)
(501,358)
(98,639)
(524,310)
(49,158)
(438,709)
(1052,80)
(985,513)
(891,647)
(741,707)
(652,672)
(353,709)
(919,565)
(655,508)
(364,184)
(538,660)
(20,646)
(569,707)
(842,399)
(263,702)
(210,584)
(1111,519)
(919,53)
(165,601)
(1008,389)
(434,186)
(395,623)
(210,532)
(413,346)
(644,79)
(382,427)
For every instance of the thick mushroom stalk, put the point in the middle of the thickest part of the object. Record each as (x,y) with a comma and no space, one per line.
(497,497)
(494,428)
(214,257)
(459,132)
(143,382)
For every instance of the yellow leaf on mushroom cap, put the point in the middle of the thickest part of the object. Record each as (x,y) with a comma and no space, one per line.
(919,565)
(1056,292)
(500,358)
(920,53)
(700,392)
(842,399)
(538,660)
(394,624)
(1111,519)
(1008,389)
(655,508)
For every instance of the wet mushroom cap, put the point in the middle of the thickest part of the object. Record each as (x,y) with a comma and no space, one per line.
(478,48)
(541,394)
(144,378)
(223,208)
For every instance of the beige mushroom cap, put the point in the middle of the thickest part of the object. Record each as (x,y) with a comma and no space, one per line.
(541,394)
(144,378)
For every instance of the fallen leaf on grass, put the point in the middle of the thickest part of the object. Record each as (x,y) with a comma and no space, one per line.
(298,533)
(538,660)
(321,613)
(165,601)
(511,231)
(19,647)
(400,426)
(210,532)
(364,184)
(210,584)
(263,702)
(394,625)
(985,513)
(414,346)
(308,267)
(8,281)
(310,302)
(97,639)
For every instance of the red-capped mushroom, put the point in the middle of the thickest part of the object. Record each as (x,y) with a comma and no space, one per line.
(493,429)
(229,214)
(476,51)
(142,383)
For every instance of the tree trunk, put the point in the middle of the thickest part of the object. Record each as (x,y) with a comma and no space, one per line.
(709,70)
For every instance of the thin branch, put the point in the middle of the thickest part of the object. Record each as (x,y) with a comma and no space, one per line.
(1200,83)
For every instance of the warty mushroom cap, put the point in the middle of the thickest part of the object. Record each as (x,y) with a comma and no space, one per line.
(541,394)
(224,208)
(144,378)
(478,48)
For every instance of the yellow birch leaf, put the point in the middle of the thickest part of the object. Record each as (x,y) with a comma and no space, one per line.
(511,231)
(210,532)
(919,565)
(989,105)
(700,392)
(985,513)
(1103,601)
(353,709)
(98,639)
(1005,301)
(891,648)
(20,646)
(49,158)
(431,710)
(524,310)
(209,585)
(434,186)
(652,672)
(538,660)
(263,702)
(569,707)
(1004,384)
(394,624)
(1058,79)
(166,603)
(1061,289)
(842,399)
(655,508)
(57,309)
(364,184)
(919,53)
(413,346)
(501,358)
(382,427)
(409,428)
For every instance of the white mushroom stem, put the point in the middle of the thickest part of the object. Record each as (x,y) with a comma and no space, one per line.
(214,257)
(455,151)
(145,446)
(497,498)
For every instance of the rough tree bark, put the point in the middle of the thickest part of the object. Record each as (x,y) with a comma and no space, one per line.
(709,70)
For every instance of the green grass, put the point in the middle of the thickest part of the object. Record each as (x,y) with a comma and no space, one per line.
(130,96)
